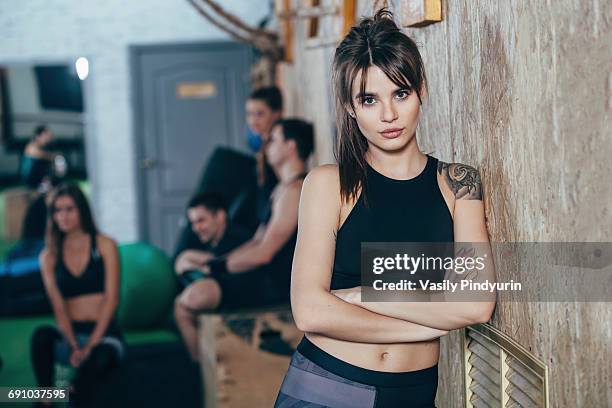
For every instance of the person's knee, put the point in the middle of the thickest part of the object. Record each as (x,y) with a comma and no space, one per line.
(181,312)
(104,358)
(202,295)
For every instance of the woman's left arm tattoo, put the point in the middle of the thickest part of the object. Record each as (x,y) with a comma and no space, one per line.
(462,179)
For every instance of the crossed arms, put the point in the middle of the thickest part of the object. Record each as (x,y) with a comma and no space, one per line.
(341,314)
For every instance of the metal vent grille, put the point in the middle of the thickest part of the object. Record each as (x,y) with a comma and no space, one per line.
(500,373)
(484,372)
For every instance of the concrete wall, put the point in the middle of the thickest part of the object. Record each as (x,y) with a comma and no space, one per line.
(61,30)
(523,91)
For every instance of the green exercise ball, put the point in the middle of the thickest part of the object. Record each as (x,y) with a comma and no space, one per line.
(148,286)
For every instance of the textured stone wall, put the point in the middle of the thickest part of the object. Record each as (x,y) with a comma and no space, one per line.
(521,90)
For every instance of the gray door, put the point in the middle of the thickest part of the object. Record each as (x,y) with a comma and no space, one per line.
(187,100)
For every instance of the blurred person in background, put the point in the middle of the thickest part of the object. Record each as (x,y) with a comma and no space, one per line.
(37,161)
(263,109)
(215,236)
(244,183)
(80,270)
(258,272)
(40,170)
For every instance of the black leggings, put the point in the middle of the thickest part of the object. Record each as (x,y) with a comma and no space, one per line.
(316,379)
(102,360)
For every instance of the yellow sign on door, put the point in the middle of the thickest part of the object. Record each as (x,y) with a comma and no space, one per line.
(196,90)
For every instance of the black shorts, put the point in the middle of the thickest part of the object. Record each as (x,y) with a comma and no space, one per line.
(316,379)
(256,288)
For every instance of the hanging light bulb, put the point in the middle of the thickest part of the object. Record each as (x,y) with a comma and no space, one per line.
(82,67)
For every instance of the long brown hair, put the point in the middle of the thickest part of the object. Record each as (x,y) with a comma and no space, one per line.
(374,41)
(54,236)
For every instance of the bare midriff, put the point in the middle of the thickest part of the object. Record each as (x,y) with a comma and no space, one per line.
(394,358)
(85,307)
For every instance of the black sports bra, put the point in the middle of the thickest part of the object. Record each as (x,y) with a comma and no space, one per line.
(90,281)
(410,210)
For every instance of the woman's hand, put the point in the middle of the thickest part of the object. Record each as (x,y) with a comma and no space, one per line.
(77,357)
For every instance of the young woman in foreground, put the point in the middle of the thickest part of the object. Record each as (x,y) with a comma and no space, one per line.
(384,189)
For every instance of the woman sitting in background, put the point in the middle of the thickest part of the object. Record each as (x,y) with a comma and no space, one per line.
(80,270)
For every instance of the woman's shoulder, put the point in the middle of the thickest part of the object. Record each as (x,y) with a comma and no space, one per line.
(323,182)
(105,243)
(443,165)
(47,259)
(45,255)
(325,174)
(462,179)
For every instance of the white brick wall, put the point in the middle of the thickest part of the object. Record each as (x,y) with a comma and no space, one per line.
(61,30)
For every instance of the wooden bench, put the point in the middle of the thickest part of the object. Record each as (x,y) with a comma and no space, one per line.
(237,369)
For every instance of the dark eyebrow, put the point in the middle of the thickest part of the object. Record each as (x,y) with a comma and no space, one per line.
(365,95)
(374,95)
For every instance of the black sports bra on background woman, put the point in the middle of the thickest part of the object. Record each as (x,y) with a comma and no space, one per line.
(410,210)
(91,279)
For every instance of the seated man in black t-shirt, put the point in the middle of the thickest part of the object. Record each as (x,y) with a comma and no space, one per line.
(214,236)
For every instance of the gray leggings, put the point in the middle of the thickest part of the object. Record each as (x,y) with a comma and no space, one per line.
(316,379)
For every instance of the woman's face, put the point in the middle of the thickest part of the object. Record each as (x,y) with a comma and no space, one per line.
(66,214)
(386,114)
(260,117)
